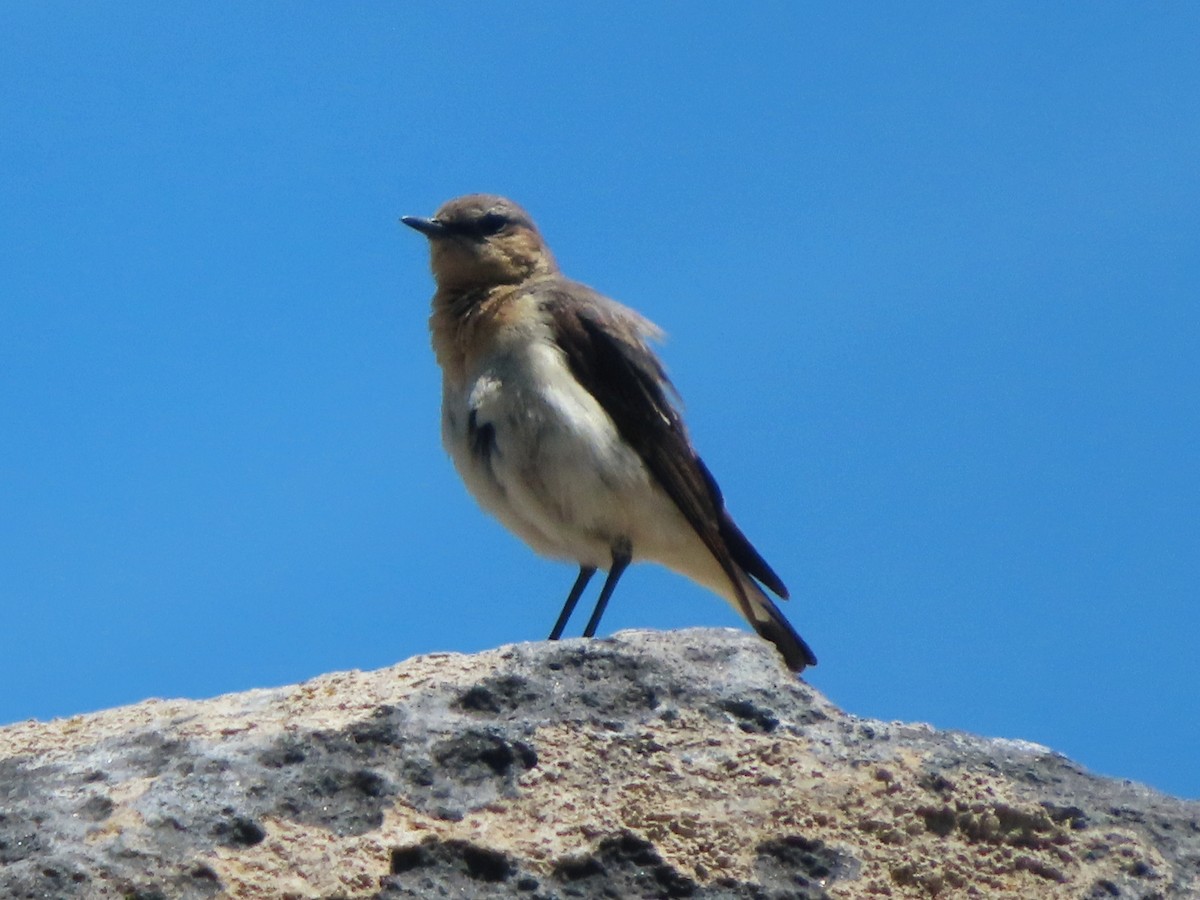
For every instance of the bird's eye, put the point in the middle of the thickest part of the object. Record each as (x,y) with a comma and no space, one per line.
(492,223)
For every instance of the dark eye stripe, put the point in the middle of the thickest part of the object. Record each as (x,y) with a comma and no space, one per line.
(492,222)
(485,225)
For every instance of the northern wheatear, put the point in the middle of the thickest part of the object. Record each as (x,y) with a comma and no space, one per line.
(559,418)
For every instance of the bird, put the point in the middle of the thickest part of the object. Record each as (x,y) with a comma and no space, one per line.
(561,420)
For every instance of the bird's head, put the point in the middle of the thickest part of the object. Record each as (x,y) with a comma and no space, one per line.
(481,240)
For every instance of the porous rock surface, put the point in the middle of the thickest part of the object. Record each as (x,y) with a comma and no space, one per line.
(686,764)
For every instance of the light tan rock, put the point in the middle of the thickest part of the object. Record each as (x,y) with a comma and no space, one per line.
(646,765)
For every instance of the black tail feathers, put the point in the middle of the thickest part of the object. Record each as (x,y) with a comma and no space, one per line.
(779,631)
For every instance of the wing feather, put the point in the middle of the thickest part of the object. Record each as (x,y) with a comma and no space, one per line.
(606,350)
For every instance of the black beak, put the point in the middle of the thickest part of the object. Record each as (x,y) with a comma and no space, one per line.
(431,228)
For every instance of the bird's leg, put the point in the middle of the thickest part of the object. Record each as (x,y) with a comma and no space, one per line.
(585,575)
(621,558)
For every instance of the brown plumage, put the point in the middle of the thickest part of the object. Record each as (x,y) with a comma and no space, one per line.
(560,419)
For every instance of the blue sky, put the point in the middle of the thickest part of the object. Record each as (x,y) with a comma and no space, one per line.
(930,275)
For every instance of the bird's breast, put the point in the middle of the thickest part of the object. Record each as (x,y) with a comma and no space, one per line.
(540,452)
(468,330)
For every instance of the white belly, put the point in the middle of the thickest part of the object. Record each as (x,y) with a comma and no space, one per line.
(547,461)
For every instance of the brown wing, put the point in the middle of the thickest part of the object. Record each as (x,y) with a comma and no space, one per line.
(605,347)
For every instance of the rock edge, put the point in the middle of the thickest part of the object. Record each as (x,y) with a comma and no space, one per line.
(681,764)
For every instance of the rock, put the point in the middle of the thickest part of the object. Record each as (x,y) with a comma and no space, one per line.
(647,765)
